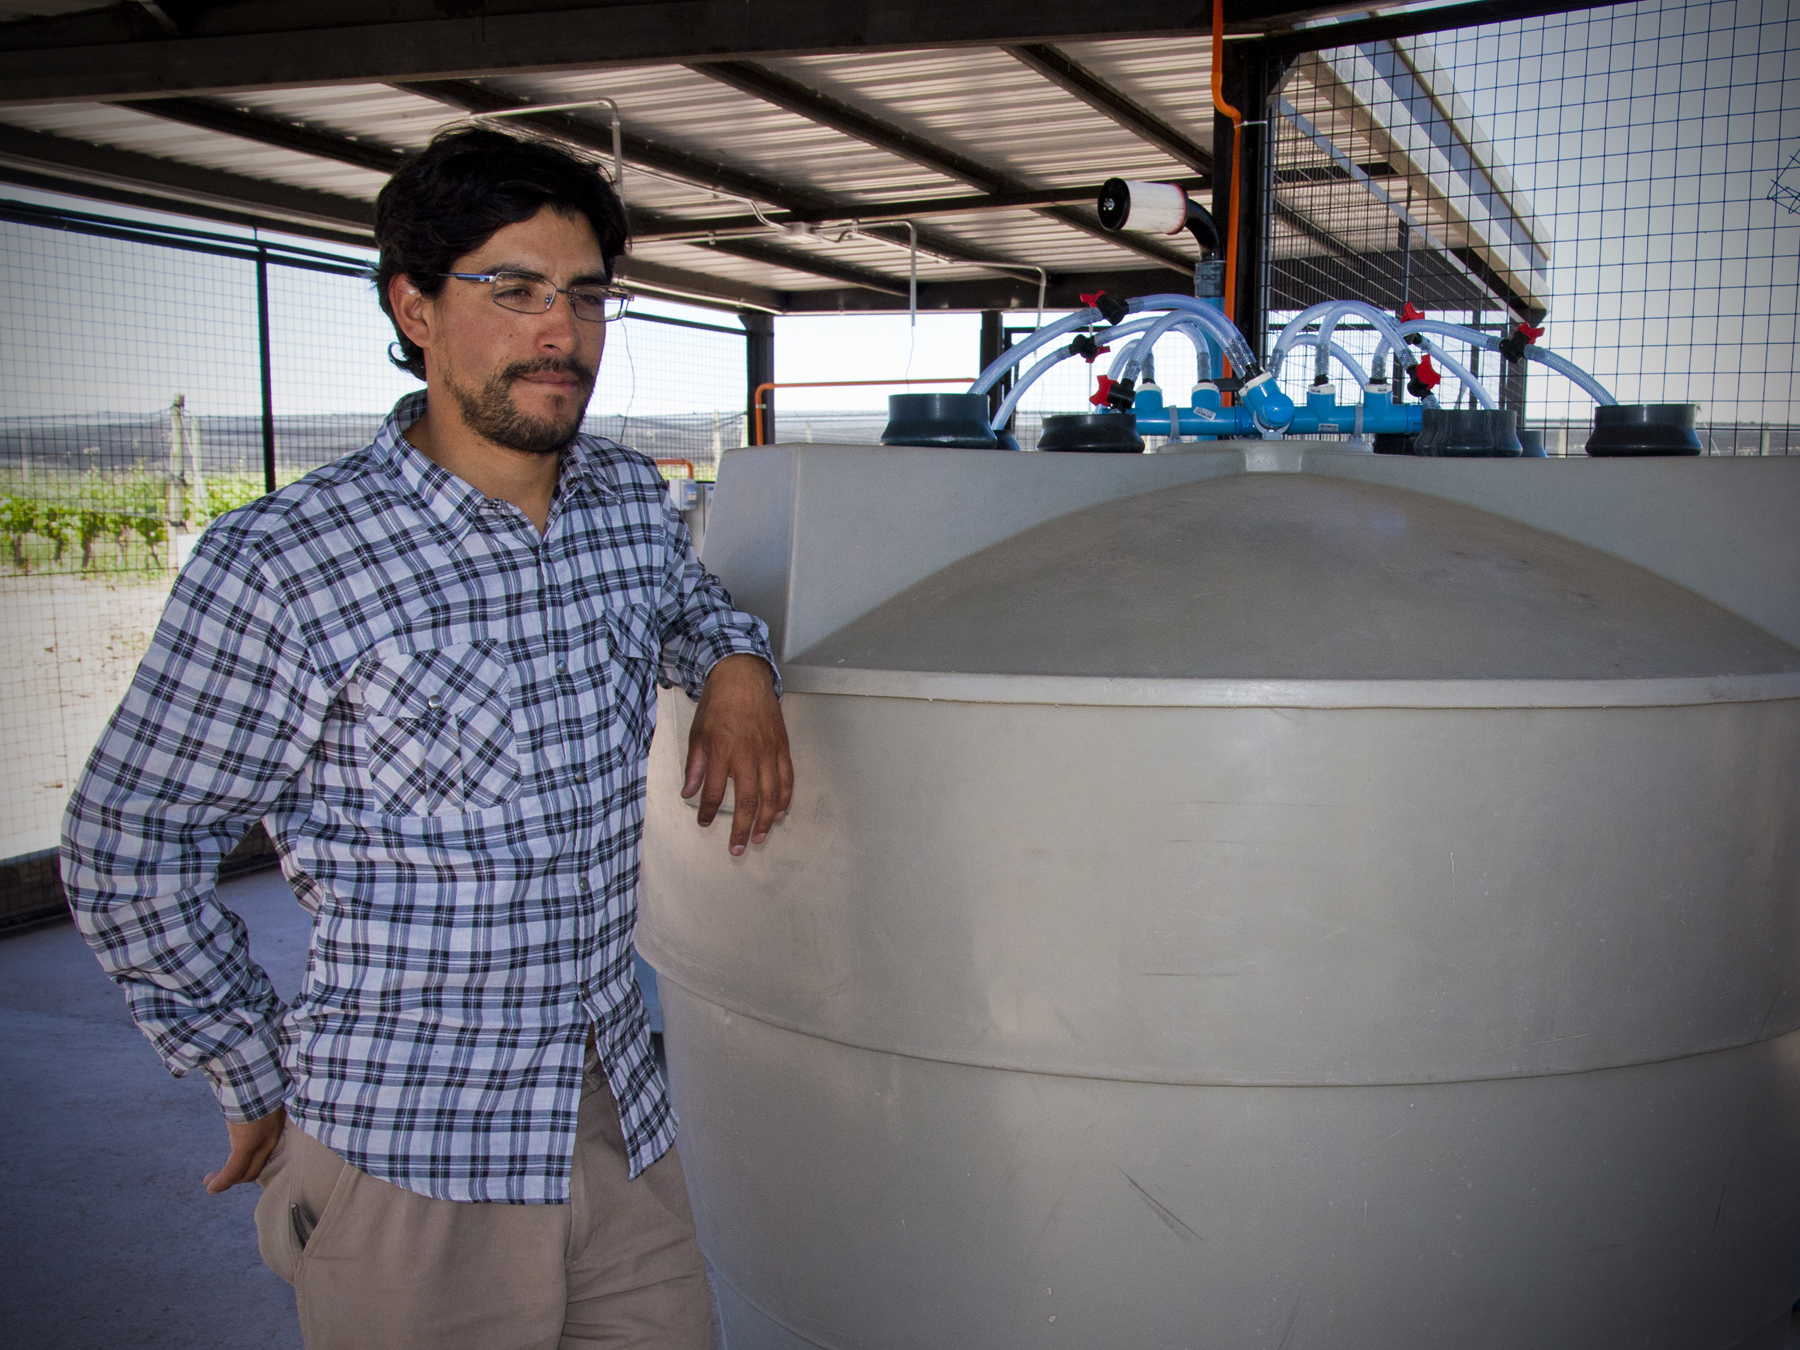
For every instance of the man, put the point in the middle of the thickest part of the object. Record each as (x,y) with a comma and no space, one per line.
(430,668)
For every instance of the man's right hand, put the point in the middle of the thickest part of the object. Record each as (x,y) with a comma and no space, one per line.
(251,1145)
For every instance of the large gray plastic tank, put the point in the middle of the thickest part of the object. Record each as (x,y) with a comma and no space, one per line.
(1269,897)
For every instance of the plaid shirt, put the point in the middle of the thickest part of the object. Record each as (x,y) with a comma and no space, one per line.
(443,717)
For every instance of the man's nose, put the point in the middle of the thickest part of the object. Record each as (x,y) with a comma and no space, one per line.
(559,328)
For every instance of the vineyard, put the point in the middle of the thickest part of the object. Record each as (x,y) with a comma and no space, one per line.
(105,523)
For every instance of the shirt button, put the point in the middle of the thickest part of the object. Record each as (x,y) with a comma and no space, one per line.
(562,667)
(584,886)
(434,702)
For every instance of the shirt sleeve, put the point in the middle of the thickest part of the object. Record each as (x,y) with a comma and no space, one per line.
(219,718)
(700,625)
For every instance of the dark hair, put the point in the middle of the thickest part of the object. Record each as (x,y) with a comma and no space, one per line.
(450,198)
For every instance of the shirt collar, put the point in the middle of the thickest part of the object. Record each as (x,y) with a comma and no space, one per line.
(452,502)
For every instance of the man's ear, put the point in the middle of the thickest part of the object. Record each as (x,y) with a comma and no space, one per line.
(412,310)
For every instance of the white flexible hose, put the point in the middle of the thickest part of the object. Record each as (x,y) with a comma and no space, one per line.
(1122,352)
(1182,309)
(1024,382)
(1194,332)
(1019,351)
(1456,368)
(1130,328)
(1334,309)
(1217,326)
(1344,358)
(1562,366)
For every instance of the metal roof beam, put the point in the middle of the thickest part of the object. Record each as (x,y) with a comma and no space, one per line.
(1354,32)
(1073,78)
(1333,173)
(794,97)
(81,184)
(713,175)
(649,277)
(1313,231)
(266,130)
(173,16)
(865,278)
(678,283)
(789,94)
(118,52)
(875,212)
(648,226)
(79,161)
(1002,293)
(805,203)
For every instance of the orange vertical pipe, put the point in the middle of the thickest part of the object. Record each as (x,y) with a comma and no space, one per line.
(1237,146)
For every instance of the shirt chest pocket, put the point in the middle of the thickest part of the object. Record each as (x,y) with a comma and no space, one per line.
(636,642)
(437,732)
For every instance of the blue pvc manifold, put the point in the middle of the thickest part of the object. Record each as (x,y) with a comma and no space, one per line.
(1380,416)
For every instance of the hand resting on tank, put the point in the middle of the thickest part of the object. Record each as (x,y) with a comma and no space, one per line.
(739,736)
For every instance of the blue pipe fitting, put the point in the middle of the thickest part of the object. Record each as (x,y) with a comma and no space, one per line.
(1271,408)
(1207,420)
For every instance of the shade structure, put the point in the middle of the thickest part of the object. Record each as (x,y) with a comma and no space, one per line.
(1268,896)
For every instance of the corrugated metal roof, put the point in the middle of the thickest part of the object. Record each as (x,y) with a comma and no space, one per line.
(125,129)
(984,117)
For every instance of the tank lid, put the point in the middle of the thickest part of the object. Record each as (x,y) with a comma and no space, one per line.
(1299,577)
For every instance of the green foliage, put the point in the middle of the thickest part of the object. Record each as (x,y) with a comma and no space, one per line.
(42,519)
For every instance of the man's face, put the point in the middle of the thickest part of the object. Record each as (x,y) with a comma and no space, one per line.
(519,380)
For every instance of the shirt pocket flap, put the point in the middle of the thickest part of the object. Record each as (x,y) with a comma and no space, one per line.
(455,680)
(437,730)
(634,633)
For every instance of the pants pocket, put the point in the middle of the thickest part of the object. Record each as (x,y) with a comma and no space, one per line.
(274,1226)
(300,1181)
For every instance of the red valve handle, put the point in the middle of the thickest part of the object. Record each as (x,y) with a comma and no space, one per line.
(1098,399)
(1426,374)
(1411,312)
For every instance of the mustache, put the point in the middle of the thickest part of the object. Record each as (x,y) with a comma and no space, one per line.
(549,365)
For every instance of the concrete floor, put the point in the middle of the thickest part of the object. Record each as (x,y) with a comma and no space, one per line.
(108,1239)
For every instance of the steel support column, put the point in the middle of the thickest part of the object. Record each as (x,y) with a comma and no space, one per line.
(759,369)
(993,339)
(1239,184)
(263,365)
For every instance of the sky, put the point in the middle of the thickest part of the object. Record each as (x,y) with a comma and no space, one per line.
(1646,138)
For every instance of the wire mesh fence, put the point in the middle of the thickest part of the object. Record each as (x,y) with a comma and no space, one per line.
(1620,177)
(134,410)
(1624,177)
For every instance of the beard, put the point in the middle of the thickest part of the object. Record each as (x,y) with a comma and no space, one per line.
(491,413)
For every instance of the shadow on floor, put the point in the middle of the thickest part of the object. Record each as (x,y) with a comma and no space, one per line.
(110,1240)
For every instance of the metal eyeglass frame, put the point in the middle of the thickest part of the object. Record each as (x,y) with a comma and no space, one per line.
(614,294)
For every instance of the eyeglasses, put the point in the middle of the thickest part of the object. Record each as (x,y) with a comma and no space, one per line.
(528,293)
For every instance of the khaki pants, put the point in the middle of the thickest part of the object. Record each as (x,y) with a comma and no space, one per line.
(376,1267)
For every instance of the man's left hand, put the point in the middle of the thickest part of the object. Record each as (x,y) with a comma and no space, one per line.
(739,735)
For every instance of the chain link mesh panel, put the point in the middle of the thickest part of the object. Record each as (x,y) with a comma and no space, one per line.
(132,414)
(672,388)
(1625,172)
(117,352)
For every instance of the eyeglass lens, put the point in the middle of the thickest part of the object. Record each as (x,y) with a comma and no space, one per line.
(533,295)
